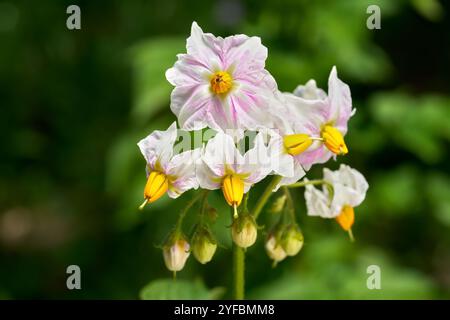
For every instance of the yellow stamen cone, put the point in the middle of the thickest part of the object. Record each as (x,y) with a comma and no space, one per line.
(156,186)
(334,141)
(221,82)
(233,191)
(346,218)
(297,143)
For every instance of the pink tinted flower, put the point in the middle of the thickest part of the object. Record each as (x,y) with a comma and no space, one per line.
(321,116)
(167,172)
(221,82)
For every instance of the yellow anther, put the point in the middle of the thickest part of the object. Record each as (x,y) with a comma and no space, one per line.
(221,82)
(157,184)
(233,191)
(333,140)
(346,218)
(297,143)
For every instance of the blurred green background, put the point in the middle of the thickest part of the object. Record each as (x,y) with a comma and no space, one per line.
(75,103)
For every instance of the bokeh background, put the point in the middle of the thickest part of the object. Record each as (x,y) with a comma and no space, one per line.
(74,104)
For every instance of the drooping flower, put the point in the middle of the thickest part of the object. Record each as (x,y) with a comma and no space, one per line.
(316,123)
(344,189)
(167,172)
(224,167)
(221,82)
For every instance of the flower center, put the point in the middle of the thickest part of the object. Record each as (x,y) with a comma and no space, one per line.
(221,82)
(333,140)
(346,218)
(233,190)
(297,143)
(157,185)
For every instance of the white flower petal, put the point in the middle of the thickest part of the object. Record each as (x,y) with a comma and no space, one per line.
(257,163)
(207,179)
(187,71)
(352,180)
(157,148)
(221,153)
(190,105)
(310,91)
(244,55)
(181,171)
(307,116)
(205,47)
(282,162)
(342,196)
(298,174)
(340,101)
(317,202)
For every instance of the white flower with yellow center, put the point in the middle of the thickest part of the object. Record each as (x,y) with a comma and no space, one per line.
(221,83)
(342,191)
(312,124)
(167,172)
(224,167)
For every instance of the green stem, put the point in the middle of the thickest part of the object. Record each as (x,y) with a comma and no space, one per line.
(238,272)
(265,196)
(187,207)
(290,203)
(245,201)
(203,205)
(304,183)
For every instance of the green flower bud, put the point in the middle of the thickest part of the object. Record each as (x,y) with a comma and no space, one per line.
(274,249)
(244,230)
(292,240)
(278,205)
(203,244)
(176,251)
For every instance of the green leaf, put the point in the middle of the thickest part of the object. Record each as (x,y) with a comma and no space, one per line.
(178,289)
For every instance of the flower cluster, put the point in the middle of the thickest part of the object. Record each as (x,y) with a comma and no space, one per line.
(222,84)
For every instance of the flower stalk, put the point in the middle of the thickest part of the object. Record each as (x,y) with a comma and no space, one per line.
(183,212)
(265,196)
(238,272)
(308,182)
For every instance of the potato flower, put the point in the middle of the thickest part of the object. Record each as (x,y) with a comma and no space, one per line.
(223,166)
(167,172)
(221,83)
(315,123)
(343,190)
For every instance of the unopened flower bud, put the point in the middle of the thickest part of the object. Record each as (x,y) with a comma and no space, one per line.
(203,244)
(278,205)
(244,231)
(176,252)
(274,249)
(292,240)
